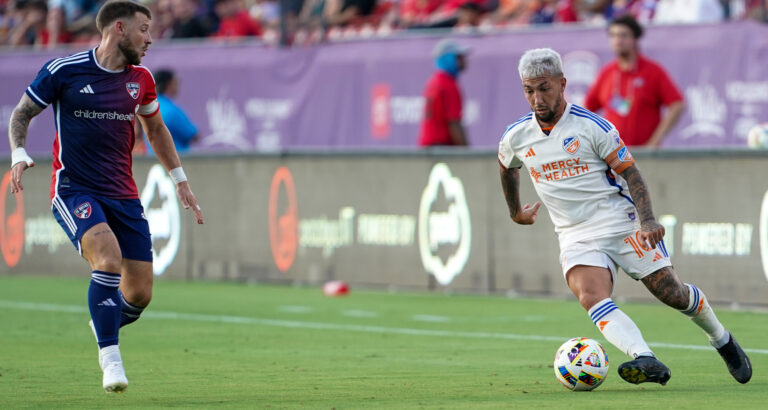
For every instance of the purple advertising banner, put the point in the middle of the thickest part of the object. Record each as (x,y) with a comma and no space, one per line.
(368,94)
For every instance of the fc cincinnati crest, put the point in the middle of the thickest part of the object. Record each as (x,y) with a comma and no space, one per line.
(83,211)
(571,145)
(133,89)
(624,155)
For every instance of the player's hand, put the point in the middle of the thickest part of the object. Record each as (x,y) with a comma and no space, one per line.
(188,200)
(528,214)
(16,172)
(651,233)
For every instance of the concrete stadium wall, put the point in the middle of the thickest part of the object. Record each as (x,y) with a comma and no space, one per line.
(434,221)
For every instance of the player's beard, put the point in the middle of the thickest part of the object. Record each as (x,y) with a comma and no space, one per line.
(131,56)
(549,116)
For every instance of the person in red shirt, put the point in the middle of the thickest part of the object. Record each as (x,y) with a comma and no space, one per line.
(234,20)
(441,124)
(632,90)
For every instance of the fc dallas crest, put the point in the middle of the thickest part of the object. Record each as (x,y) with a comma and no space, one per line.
(133,89)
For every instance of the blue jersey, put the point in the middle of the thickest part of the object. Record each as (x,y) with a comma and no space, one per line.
(94,112)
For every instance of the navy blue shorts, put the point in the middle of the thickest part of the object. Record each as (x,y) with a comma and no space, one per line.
(77,212)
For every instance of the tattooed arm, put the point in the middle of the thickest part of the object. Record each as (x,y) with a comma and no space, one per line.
(17,135)
(510,183)
(650,231)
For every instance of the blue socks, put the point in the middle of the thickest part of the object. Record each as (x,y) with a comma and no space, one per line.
(130,313)
(105,306)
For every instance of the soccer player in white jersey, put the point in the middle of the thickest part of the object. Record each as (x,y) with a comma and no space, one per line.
(601,209)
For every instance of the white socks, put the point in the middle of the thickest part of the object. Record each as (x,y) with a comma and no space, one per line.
(109,354)
(619,329)
(702,314)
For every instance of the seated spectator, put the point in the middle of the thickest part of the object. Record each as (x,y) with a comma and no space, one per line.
(416,12)
(29,23)
(516,12)
(343,12)
(162,18)
(189,24)
(73,16)
(553,11)
(234,20)
(468,15)
(688,11)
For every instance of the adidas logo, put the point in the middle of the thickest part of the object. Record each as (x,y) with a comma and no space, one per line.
(107,302)
(657,257)
(87,90)
(530,153)
(603,324)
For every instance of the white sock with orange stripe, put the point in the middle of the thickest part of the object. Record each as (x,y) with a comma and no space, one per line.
(619,329)
(702,314)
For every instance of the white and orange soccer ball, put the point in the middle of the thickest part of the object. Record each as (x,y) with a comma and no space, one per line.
(581,364)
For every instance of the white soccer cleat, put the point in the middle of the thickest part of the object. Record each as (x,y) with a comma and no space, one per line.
(112,365)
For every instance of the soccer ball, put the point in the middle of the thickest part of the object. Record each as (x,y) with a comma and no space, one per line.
(581,364)
(758,136)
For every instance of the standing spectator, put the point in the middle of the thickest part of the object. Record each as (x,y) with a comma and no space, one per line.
(182,130)
(189,24)
(441,124)
(234,20)
(632,90)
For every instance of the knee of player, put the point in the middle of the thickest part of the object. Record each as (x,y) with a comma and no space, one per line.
(106,263)
(588,299)
(138,297)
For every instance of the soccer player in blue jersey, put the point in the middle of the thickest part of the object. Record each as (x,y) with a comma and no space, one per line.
(96,97)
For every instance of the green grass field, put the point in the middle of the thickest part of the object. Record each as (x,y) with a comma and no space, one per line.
(206,345)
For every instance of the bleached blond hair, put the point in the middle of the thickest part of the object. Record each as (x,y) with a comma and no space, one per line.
(540,62)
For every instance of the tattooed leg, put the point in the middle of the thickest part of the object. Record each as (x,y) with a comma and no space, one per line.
(667,287)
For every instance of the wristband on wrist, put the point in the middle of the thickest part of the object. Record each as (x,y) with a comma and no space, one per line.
(177,175)
(20,155)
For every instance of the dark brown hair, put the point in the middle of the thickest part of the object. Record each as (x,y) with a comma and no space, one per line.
(117,9)
(629,22)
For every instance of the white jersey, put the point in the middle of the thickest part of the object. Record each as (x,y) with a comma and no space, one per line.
(572,170)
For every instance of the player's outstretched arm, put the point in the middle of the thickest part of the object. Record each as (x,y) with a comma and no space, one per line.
(162,144)
(25,110)
(651,231)
(510,183)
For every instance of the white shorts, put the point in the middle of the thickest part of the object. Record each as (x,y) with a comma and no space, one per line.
(623,250)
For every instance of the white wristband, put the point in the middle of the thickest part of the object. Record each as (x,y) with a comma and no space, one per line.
(177,175)
(20,155)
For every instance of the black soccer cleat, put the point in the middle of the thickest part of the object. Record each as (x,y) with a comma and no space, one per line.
(737,361)
(645,369)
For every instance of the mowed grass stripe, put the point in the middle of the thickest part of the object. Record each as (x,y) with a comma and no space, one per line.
(243,320)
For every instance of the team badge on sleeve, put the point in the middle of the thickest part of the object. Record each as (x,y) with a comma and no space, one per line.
(133,89)
(571,145)
(83,211)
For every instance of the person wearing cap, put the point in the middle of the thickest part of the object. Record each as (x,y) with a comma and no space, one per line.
(632,90)
(441,124)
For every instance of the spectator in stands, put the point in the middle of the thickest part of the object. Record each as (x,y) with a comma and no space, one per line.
(343,12)
(234,20)
(182,130)
(189,24)
(441,124)
(162,18)
(688,11)
(416,12)
(552,11)
(469,15)
(75,17)
(516,12)
(632,90)
(29,19)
